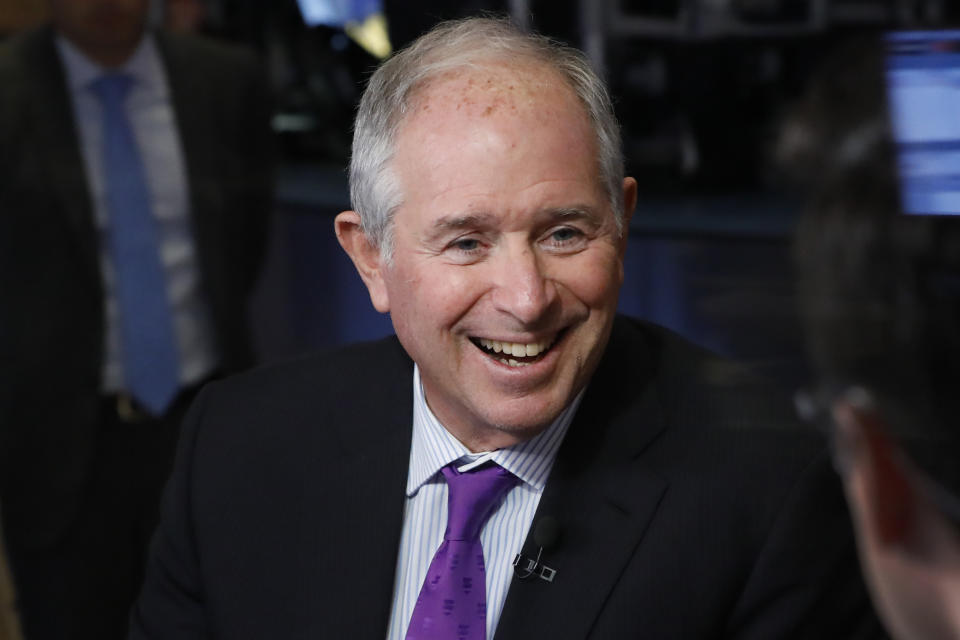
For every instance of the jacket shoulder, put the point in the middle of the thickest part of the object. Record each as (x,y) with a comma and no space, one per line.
(23,44)
(207,54)
(697,384)
(340,373)
(23,56)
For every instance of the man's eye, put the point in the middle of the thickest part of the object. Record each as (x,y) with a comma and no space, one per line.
(565,235)
(466,245)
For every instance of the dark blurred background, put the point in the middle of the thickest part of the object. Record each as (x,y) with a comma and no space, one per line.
(699,85)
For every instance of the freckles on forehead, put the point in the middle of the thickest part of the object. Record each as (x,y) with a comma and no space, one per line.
(478,134)
(494,109)
(494,91)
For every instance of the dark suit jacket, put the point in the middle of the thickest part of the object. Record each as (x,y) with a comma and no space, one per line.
(51,293)
(687,508)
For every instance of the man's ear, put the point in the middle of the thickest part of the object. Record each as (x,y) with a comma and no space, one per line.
(366,257)
(629,204)
(629,199)
(888,500)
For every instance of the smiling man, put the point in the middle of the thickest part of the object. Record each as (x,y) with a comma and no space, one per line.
(518,462)
(507,250)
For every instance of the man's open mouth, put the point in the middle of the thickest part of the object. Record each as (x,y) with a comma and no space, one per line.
(516,354)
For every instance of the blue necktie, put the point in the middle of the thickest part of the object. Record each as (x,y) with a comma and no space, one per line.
(147,340)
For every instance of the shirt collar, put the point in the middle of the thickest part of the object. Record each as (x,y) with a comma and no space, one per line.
(433,447)
(143,66)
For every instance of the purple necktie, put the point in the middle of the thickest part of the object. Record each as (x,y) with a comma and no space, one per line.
(453,599)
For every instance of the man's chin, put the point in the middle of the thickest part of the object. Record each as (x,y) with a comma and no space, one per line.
(498,414)
(500,436)
(507,428)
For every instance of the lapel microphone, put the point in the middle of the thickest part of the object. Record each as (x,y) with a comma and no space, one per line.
(545,534)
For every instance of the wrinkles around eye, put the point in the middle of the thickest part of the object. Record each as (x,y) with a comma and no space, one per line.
(566,238)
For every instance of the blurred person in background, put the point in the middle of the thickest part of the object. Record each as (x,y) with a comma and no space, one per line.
(135,187)
(880,296)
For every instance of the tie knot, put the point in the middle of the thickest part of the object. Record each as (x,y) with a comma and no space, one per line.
(472,498)
(112,88)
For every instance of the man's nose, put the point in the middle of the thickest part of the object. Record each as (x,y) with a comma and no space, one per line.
(523,288)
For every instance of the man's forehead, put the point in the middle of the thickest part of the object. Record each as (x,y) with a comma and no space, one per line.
(488,89)
(466,128)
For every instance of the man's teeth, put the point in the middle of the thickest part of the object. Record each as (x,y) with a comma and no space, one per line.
(515,348)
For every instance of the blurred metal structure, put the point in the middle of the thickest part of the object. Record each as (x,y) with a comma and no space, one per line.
(696,20)
(520,12)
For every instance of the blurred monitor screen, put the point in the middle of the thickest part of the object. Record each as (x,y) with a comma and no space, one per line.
(923,90)
(337,13)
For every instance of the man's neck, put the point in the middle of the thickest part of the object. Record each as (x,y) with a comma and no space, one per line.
(106,56)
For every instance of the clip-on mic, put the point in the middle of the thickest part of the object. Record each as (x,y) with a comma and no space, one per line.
(545,534)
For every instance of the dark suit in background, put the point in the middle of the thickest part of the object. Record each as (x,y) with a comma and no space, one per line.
(53,421)
(688,507)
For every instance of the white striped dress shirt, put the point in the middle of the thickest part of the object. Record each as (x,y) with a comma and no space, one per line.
(425,515)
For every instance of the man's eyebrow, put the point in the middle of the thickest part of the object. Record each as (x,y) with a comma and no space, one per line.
(458,221)
(576,212)
(461,220)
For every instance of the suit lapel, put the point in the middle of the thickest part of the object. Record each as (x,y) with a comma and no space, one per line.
(355,575)
(190,108)
(196,127)
(601,495)
(56,136)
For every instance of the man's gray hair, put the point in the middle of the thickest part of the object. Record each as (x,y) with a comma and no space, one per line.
(374,187)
